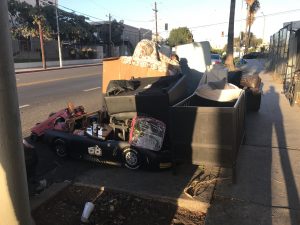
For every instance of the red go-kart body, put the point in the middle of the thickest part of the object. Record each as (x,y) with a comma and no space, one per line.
(55,119)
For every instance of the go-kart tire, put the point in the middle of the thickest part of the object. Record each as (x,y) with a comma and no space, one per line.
(60,148)
(132,158)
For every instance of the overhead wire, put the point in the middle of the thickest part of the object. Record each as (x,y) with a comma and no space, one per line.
(73,11)
(191,28)
(240,20)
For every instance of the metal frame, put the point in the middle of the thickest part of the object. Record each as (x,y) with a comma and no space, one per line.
(284,53)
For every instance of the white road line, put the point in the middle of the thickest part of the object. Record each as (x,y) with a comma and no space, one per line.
(92,89)
(23,106)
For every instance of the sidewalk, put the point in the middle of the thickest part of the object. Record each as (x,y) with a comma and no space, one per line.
(40,69)
(268,169)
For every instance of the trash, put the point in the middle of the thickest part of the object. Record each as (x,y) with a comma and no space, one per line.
(215,92)
(111,208)
(251,81)
(42,184)
(88,209)
(98,131)
(78,132)
(147,133)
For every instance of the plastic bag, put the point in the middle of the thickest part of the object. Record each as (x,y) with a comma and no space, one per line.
(147,133)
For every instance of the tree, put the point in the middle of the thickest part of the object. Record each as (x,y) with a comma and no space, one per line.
(116,32)
(179,36)
(252,7)
(24,19)
(229,53)
(73,27)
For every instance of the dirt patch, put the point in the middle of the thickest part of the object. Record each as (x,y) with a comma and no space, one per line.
(112,208)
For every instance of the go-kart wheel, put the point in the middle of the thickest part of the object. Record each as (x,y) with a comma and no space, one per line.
(132,158)
(60,148)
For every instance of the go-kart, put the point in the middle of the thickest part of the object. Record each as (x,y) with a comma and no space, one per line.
(99,138)
(55,118)
(131,129)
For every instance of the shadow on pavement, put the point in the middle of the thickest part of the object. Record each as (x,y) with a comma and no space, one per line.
(266,191)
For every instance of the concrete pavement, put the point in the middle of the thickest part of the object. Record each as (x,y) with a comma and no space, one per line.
(268,168)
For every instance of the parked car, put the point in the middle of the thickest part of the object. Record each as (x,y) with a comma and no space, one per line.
(255,55)
(216,59)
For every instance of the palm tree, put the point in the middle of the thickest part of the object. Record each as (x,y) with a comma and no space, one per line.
(229,52)
(252,7)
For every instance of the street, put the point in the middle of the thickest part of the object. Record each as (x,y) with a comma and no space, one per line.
(41,93)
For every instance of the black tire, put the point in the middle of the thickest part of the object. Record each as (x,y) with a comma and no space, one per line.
(60,148)
(132,158)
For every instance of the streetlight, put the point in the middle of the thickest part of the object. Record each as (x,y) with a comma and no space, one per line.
(58,35)
(263,36)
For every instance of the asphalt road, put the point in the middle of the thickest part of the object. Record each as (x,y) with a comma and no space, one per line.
(41,93)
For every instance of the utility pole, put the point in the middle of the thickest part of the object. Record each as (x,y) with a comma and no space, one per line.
(58,36)
(15,208)
(109,45)
(263,35)
(155,12)
(241,37)
(41,35)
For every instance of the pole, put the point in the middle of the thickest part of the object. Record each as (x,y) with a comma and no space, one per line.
(263,36)
(241,31)
(41,37)
(15,208)
(155,11)
(109,45)
(58,36)
(229,52)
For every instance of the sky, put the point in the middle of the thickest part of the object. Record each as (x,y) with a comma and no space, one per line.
(200,16)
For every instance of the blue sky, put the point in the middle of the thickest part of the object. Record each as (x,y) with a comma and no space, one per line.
(190,13)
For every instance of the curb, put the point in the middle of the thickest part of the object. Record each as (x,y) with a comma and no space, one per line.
(47,194)
(57,68)
(189,204)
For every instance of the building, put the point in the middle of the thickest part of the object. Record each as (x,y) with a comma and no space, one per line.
(129,37)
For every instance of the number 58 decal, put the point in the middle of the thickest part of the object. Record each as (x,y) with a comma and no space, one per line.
(95,150)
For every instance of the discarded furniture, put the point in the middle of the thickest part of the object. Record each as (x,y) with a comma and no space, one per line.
(207,132)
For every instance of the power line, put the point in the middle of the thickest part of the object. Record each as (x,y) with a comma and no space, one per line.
(130,20)
(74,11)
(240,20)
